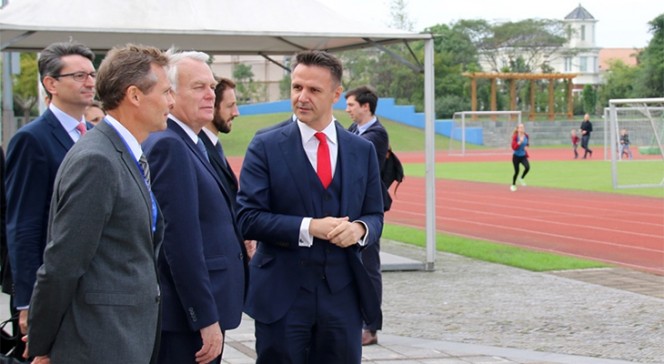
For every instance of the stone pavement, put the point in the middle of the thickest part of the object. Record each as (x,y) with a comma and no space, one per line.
(468,311)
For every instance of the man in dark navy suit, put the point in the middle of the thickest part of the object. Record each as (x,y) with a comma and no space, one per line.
(225,111)
(361,106)
(202,261)
(34,155)
(310,194)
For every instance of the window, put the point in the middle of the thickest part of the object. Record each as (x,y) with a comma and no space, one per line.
(583,64)
(583,32)
(595,65)
(568,64)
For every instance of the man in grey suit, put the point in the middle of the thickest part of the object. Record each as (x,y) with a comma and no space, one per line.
(97,295)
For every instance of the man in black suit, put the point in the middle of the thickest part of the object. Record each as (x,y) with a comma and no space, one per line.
(225,110)
(33,156)
(361,106)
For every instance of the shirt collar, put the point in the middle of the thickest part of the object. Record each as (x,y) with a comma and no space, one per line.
(132,143)
(186,129)
(210,134)
(362,128)
(67,122)
(307,133)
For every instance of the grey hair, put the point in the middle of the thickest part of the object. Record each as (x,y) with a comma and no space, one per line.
(175,57)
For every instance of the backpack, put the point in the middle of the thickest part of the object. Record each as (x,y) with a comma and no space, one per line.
(392,172)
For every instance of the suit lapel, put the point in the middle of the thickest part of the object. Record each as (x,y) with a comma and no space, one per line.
(194,149)
(59,133)
(295,157)
(222,167)
(346,160)
(128,160)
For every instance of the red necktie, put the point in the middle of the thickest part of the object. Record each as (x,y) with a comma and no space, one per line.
(81,128)
(324,168)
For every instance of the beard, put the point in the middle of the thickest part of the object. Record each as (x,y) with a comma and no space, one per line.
(222,125)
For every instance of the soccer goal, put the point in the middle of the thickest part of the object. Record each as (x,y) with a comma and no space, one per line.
(640,164)
(482,132)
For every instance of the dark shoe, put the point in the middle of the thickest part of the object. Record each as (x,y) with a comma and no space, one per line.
(369,338)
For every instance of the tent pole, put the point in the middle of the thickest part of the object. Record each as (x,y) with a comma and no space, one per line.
(430,157)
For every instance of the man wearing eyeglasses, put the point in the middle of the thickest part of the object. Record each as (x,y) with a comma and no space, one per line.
(34,155)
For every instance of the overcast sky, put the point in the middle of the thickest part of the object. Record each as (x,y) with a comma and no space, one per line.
(621,24)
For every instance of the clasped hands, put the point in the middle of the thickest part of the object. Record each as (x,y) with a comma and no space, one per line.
(338,230)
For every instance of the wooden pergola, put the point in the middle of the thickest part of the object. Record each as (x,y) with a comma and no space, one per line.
(523,76)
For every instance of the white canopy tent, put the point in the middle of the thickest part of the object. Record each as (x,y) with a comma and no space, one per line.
(216,27)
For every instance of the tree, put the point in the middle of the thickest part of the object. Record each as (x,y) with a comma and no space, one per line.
(619,82)
(650,80)
(532,40)
(26,94)
(247,90)
(589,97)
(399,15)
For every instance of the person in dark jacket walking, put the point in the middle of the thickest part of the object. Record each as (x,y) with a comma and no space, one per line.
(586,129)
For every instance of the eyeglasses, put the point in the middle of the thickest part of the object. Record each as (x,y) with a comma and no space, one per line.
(78,76)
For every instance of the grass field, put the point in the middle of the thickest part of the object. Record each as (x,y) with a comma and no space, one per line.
(588,176)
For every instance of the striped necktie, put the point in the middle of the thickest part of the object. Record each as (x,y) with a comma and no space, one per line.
(146,168)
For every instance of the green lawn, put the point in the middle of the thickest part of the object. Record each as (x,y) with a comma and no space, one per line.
(490,252)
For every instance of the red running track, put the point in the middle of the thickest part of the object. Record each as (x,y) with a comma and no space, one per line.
(617,229)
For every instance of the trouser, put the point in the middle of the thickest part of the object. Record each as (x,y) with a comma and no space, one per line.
(584,144)
(371,261)
(516,160)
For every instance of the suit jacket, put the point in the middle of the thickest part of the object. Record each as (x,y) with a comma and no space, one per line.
(377,135)
(202,262)
(6,279)
(97,296)
(223,169)
(273,200)
(33,157)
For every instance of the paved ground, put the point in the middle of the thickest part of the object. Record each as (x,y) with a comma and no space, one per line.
(476,312)
(468,311)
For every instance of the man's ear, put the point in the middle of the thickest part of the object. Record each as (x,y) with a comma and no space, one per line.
(338,92)
(134,95)
(49,85)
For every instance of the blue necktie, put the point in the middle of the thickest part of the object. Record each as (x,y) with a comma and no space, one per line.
(201,147)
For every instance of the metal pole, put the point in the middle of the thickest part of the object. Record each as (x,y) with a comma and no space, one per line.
(430,156)
(7,126)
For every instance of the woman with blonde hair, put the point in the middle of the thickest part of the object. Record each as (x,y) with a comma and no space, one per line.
(520,142)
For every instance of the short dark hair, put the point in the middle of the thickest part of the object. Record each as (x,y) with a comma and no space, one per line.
(364,95)
(50,58)
(222,85)
(320,59)
(125,66)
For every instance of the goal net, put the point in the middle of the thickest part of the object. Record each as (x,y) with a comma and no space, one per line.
(636,133)
(482,132)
